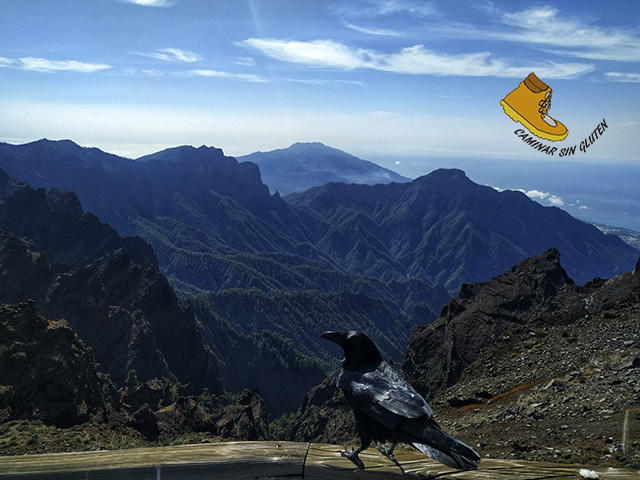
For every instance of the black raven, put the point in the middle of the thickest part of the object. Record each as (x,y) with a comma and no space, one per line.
(388,409)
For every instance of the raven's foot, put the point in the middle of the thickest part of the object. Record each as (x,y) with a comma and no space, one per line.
(387,451)
(353,456)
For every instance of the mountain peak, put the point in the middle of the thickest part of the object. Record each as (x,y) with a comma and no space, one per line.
(446,174)
(526,290)
(166,154)
(305,165)
(312,146)
(182,151)
(64,144)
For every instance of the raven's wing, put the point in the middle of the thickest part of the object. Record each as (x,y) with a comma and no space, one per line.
(385,396)
(384,389)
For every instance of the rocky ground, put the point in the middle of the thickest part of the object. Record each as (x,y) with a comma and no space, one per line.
(149,414)
(554,373)
(561,393)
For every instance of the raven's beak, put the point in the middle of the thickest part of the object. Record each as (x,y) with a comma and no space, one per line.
(335,337)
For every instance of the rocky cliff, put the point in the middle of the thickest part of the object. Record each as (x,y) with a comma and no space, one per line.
(46,372)
(563,387)
(439,352)
(107,288)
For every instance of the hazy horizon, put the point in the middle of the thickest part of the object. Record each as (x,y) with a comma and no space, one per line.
(601,192)
(371,77)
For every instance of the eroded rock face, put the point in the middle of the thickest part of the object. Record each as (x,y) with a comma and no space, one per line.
(245,419)
(439,352)
(46,372)
(108,288)
(560,387)
(324,417)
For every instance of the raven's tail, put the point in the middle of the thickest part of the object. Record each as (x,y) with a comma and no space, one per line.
(446,449)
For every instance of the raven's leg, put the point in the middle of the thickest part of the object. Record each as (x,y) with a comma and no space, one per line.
(388,452)
(353,454)
(364,429)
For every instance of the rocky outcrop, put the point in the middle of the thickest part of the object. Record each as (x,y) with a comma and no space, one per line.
(55,223)
(563,387)
(439,352)
(324,417)
(156,410)
(46,372)
(246,418)
(560,382)
(107,288)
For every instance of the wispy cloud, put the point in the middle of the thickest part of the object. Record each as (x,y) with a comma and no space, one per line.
(149,72)
(373,8)
(245,61)
(171,55)
(623,77)
(545,26)
(326,53)
(151,3)
(411,60)
(315,81)
(385,32)
(246,77)
(45,65)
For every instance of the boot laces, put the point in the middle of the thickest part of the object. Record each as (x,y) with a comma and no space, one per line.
(545,104)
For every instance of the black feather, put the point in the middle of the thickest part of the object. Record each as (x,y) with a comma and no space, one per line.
(388,409)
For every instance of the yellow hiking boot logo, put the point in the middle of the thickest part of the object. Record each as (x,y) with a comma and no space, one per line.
(529,104)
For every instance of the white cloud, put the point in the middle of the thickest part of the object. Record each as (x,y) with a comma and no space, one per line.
(538,195)
(411,60)
(247,77)
(418,9)
(245,61)
(151,3)
(45,65)
(385,32)
(317,81)
(325,53)
(149,72)
(172,55)
(583,207)
(555,200)
(623,77)
(545,26)
(373,8)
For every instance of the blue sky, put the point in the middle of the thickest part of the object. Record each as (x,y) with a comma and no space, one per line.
(376,78)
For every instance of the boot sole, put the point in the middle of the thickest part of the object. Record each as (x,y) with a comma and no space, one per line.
(516,117)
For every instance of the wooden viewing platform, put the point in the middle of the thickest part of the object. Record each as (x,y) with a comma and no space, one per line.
(270,460)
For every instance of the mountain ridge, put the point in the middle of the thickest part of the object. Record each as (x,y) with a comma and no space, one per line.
(215,227)
(444,227)
(385,231)
(307,164)
(108,288)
